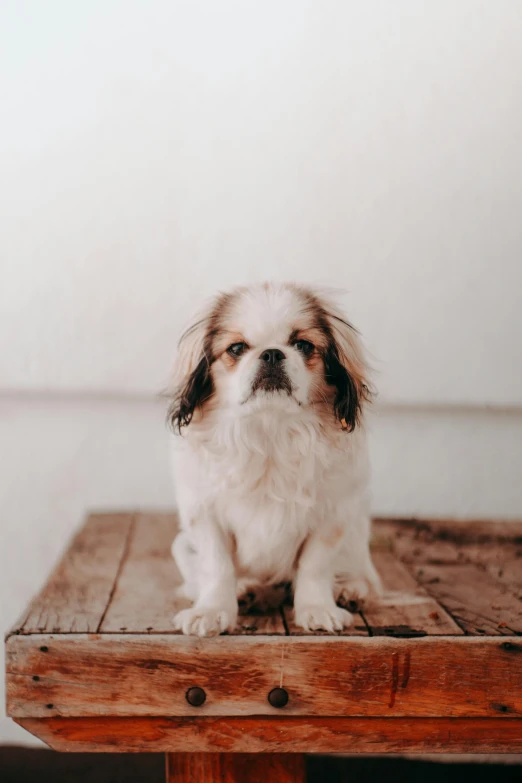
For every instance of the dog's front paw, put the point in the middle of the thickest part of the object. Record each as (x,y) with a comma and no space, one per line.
(322,618)
(358,592)
(205,621)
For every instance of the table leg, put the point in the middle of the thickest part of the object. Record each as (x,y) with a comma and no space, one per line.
(235,768)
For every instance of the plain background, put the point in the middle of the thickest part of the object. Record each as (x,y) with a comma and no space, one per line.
(154,152)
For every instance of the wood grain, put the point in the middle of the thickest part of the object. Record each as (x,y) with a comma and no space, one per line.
(506,567)
(405,607)
(145,599)
(235,768)
(501,559)
(477,601)
(149,675)
(78,591)
(280,734)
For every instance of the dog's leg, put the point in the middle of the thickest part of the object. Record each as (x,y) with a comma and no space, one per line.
(314,605)
(356,580)
(185,555)
(357,584)
(215,609)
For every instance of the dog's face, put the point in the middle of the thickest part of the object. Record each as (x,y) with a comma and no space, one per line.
(272,344)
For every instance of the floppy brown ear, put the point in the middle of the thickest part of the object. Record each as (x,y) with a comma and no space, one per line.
(191,383)
(346,368)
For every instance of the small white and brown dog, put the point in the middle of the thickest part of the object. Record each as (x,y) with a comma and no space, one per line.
(272,470)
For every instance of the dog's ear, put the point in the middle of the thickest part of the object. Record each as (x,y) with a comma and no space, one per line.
(191,383)
(346,368)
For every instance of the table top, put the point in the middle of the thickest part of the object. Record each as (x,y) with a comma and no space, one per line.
(441,579)
(444,641)
(436,666)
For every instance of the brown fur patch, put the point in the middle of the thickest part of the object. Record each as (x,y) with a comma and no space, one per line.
(333,536)
(343,346)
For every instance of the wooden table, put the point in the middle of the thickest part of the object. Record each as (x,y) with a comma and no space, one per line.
(94,664)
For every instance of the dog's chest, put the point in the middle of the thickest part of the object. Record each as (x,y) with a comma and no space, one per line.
(268,486)
(269,496)
(284,462)
(269,512)
(267,538)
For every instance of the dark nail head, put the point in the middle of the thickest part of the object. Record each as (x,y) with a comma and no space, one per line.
(196,696)
(278,697)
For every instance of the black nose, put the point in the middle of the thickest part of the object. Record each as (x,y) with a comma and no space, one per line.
(272,356)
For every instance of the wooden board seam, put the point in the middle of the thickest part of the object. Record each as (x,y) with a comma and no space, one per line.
(284,621)
(124,555)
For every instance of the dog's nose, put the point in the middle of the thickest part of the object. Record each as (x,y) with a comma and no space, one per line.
(272,356)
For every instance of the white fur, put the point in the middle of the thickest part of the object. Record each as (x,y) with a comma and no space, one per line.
(270,489)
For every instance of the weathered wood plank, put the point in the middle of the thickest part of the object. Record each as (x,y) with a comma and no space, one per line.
(279,734)
(479,603)
(502,560)
(405,609)
(77,593)
(235,768)
(414,546)
(145,599)
(150,675)
(506,568)
(421,547)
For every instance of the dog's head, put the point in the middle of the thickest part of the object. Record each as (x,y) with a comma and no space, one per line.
(270,344)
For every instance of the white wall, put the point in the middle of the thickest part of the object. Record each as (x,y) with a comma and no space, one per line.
(153,152)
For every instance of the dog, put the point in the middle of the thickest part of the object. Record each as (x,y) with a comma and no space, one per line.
(271,470)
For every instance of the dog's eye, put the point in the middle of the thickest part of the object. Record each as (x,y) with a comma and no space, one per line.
(237,349)
(304,347)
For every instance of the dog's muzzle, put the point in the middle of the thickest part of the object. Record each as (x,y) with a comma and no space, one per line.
(271,375)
